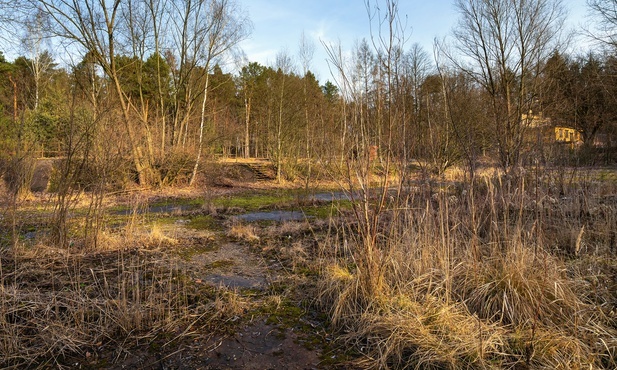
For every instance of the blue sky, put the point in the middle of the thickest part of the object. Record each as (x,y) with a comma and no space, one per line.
(279,24)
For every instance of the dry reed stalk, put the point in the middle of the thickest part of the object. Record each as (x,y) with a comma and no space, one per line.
(480,291)
(61,306)
(244,232)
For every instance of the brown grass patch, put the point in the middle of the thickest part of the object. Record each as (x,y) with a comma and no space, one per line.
(60,305)
(242,231)
(476,283)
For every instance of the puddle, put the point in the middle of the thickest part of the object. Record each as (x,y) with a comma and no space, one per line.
(258,345)
(165,208)
(249,217)
(235,281)
(32,235)
(279,216)
(330,197)
(336,195)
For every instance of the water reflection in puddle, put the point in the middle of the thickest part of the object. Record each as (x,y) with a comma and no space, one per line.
(236,281)
(164,208)
(330,197)
(280,216)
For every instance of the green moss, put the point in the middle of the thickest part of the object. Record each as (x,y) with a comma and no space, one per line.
(190,202)
(189,251)
(306,271)
(294,315)
(606,175)
(287,314)
(253,293)
(119,210)
(326,210)
(204,222)
(328,359)
(165,221)
(253,202)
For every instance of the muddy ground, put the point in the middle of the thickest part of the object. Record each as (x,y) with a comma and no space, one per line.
(292,335)
(252,245)
(236,236)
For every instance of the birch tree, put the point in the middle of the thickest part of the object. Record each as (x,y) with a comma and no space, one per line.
(502,45)
(34,44)
(222,28)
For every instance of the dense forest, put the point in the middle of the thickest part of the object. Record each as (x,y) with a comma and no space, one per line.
(471,214)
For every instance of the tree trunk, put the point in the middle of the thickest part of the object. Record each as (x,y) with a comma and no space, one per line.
(247,106)
(201,130)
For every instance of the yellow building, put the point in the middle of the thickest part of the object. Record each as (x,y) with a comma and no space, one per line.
(549,132)
(567,135)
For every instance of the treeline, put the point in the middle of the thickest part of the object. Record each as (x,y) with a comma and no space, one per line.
(149,94)
(260,112)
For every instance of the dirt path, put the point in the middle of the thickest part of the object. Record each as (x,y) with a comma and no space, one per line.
(259,341)
(257,345)
(233,266)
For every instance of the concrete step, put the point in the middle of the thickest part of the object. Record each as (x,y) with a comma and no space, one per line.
(262,171)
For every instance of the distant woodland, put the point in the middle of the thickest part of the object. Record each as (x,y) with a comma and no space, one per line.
(156,87)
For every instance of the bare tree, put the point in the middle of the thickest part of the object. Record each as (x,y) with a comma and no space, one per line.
(223,27)
(157,10)
(502,45)
(338,65)
(94,26)
(204,30)
(13,14)
(34,43)
(416,66)
(306,51)
(284,65)
(604,13)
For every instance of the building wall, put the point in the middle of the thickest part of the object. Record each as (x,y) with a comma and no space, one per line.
(567,135)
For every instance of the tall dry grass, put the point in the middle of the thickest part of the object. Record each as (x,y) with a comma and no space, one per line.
(490,275)
(60,307)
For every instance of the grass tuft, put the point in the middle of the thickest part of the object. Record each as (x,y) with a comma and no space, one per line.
(480,282)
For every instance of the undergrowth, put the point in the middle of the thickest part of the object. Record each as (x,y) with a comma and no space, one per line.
(61,306)
(488,276)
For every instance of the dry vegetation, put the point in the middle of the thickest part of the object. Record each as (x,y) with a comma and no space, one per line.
(444,275)
(462,234)
(489,276)
(66,307)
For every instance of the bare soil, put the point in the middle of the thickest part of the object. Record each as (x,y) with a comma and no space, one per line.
(255,345)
